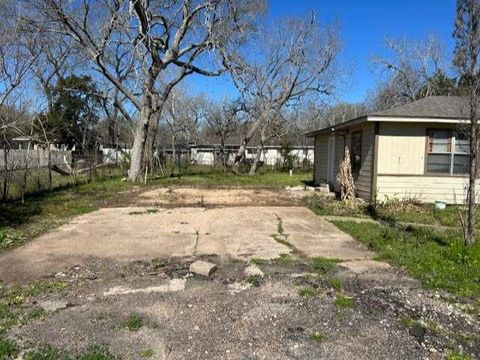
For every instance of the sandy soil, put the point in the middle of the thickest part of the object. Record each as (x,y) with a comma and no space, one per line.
(207,197)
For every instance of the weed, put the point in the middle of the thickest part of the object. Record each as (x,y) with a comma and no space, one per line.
(41,287)
(134,322)
(324,266)
(9,238)
(159,263)
(317,337)
(344,302)
(307,292)
(96,353)
(8,349)
(259,261)
(148,353)
(335,283)
(45,353)
(458,356)
(254,280)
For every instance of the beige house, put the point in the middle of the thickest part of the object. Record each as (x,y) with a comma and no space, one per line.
(417,150)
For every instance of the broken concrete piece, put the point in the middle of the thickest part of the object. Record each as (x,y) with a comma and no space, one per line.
(203,268)
(238,287)
(253,270)
(53,305)
(173,285)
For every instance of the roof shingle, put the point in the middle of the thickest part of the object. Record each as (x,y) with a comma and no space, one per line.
(445,107)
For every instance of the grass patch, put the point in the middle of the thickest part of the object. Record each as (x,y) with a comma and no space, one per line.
(134,322)
(323,265)
(335,283)
(344,302)
(317,337)
(452,355)
(48,352)
(148,353)
(254,280)
(438,259)
(209,176)
(14,311)
(307,292)
(8,349)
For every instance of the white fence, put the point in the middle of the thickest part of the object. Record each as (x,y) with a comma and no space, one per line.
(17,159)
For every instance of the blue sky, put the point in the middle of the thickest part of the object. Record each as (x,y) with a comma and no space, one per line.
(363,26)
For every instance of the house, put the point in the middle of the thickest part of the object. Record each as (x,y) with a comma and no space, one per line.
(415,151)
(206,154)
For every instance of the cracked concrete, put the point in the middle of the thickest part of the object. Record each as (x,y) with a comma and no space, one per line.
(128,234)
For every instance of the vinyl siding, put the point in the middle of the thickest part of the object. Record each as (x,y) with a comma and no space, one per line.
(401,148)
(426,189)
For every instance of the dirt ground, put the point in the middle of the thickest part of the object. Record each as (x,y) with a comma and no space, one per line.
(120,262)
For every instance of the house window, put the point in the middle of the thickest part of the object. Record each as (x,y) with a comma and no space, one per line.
(447,152)
(356,152)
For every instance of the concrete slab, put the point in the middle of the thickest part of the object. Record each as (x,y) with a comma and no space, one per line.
(128,234)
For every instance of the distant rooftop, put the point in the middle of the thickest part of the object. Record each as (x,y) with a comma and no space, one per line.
(445,107)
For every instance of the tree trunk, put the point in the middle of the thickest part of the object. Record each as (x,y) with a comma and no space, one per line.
(471,194)
(243,146)
(258,156)
(139,143)
(255,163)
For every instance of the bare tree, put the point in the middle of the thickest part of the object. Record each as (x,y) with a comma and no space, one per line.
(411,70)
(466,60)
(295,60)
(222,121)
(165,42)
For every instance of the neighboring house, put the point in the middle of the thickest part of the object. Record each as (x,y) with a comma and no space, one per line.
(271,155)
(114,154)
(415,151)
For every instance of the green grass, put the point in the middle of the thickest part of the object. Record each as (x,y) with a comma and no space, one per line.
(254,280)
(458,356)
(134,322)
(148,353)
(207,176)
(394,211)
(323,265)
(307,292)
(47,352)
(438,258)
(15,310)
(344,302)
(317,337)
(8,349)
(335,283)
